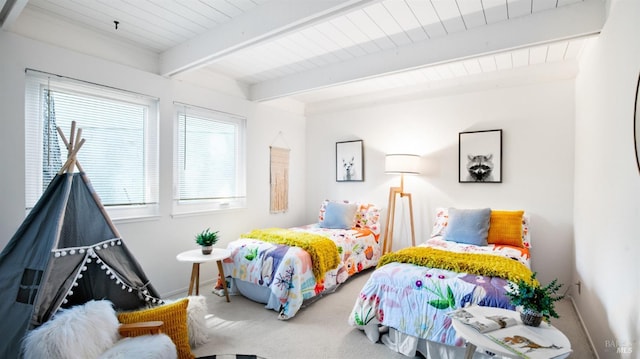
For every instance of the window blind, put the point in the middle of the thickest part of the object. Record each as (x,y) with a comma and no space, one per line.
(210,160)
(120,154)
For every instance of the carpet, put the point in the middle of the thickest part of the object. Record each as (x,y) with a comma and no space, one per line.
(231,356)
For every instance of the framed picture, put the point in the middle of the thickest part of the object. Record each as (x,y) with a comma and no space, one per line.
(636,124)
(480,156)
(349,161)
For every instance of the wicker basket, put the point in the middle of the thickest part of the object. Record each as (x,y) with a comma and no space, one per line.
(531,318)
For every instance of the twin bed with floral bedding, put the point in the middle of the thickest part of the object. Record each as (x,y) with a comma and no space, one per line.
(469,259)
(284,268)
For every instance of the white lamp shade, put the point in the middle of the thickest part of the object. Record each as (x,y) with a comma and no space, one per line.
(402,164)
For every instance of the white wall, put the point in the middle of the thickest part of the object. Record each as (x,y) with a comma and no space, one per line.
(153,242)
(607,186)
(537,122)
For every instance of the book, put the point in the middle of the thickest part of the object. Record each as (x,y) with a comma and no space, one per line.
(525,343)
(509,333)
(473,317)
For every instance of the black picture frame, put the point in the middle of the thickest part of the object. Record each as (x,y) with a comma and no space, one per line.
(636,124)
(350,161)
(480,156)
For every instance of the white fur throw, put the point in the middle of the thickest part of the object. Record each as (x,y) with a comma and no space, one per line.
(81,332)
(196,321)
(157,346)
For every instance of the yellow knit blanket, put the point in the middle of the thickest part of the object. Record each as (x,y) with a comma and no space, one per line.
(323,251)
(475,263)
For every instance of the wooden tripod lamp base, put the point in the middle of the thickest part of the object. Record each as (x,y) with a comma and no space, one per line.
(398,164)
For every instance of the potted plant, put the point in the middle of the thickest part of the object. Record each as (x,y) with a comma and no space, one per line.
(207,239)
(537,302)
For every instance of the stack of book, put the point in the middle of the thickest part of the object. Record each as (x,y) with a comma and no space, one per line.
(509,332)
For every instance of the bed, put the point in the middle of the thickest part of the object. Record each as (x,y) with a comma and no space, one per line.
(405,301)
(283,275)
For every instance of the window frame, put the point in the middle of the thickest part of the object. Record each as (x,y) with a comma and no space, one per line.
(196,206)
(34,126)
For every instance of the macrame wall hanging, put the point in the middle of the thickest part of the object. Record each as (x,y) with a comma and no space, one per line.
(279,177)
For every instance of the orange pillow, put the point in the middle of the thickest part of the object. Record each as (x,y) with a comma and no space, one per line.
(173,315)
(505,227)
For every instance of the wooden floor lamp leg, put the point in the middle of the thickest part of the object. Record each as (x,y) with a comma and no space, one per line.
(388,238)
(413,232)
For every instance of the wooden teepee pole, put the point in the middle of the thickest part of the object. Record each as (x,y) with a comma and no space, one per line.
(73,146)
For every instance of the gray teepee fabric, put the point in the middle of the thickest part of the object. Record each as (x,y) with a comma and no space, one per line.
(66,252)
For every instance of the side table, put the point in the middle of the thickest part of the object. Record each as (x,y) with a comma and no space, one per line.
(196,257)
(475,339)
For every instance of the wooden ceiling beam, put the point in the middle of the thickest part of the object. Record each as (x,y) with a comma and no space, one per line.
(584,18)
(265,22)
(9,12)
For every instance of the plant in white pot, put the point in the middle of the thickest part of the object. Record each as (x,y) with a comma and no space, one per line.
(537,302)
(207,239)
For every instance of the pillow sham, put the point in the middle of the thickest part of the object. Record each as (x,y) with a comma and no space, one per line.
(506,228)
(442,221)
(339,215)
(469,226)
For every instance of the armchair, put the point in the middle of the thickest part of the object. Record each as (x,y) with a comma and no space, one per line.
(92,330)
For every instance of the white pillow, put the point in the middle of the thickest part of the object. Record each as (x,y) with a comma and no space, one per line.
(154,346)
(196,322)
(80,332)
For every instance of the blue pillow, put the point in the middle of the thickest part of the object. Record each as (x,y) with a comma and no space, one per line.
(339,215)
(469,226)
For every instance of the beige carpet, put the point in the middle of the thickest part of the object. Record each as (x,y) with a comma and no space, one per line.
(320,330)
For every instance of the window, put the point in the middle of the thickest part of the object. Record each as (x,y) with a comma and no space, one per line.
(120,153)
(29,285)
(209,160)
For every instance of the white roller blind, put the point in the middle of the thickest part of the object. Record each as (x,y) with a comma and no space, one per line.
(120,155)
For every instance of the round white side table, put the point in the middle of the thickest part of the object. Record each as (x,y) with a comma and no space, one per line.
(196,257)
(475,339)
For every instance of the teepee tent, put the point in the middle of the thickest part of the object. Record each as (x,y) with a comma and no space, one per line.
(66,252)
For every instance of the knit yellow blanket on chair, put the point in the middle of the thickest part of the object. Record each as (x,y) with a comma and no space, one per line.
(323,251)
(475,263)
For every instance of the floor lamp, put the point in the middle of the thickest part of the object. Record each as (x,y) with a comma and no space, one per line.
(399,164)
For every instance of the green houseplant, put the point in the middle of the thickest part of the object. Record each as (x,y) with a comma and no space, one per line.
(537,302)
(207,239)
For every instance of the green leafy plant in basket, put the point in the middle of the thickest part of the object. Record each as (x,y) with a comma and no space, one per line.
(206,239)
(537,302)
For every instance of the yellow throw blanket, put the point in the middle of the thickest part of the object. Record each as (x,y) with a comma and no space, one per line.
(475,263)
(323,251)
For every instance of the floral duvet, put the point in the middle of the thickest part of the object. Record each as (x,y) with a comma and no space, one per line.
(414,299)
(287,271)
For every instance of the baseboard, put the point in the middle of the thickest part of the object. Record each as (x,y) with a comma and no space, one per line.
(182,292)
(584,327)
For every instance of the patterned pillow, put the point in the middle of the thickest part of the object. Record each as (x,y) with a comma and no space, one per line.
(367,215)
(173,315)
(442,221)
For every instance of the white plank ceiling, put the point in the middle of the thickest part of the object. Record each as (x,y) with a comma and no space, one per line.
(316,50)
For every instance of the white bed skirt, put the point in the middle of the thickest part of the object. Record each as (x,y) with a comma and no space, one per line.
(409,345)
